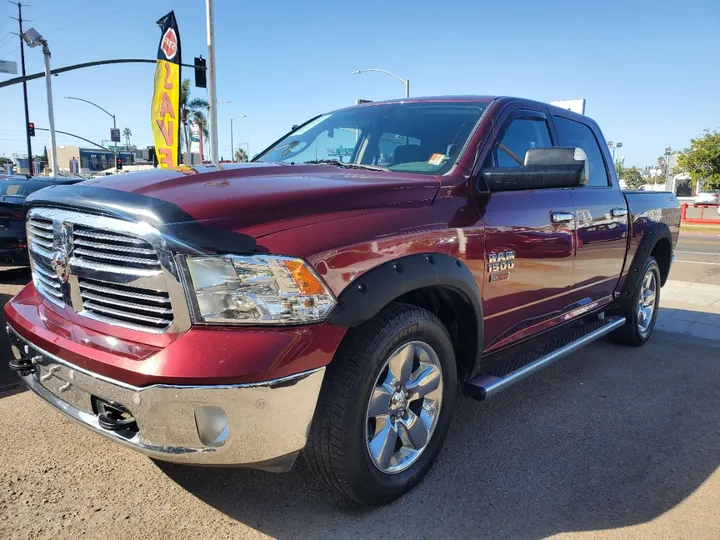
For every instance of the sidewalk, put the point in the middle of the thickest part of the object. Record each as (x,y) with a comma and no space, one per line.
(691,309)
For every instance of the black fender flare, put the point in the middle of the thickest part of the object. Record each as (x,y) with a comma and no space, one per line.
(652,236)
(362,299)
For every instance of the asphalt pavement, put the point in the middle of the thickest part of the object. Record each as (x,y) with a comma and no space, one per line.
(612,442)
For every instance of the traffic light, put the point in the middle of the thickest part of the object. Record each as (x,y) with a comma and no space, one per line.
(118,165)
(200,72)
(31,129)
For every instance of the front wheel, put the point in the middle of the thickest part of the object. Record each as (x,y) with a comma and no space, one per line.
(642,310)
(385,406)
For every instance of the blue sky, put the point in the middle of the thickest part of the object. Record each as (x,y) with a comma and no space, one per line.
(648,68)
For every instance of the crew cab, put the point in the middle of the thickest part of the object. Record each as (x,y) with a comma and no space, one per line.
(337,293)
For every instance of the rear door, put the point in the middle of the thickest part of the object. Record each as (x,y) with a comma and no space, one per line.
(601,213)
(529,241)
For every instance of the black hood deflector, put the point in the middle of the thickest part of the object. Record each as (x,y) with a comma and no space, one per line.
(178,226)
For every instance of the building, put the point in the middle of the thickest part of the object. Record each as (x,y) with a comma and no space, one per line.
(91,160)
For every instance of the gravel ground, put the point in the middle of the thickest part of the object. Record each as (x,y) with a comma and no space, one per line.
(612,443)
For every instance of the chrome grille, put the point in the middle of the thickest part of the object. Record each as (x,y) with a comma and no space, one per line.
(40,244)
(113,271)
(112,301)
(98,246)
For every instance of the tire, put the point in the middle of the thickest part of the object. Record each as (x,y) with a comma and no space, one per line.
(339,448)
(638,329)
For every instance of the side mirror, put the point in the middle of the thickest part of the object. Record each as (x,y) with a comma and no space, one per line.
(544,168)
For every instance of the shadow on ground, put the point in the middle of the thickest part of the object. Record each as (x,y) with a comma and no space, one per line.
(610,438)
(10,279)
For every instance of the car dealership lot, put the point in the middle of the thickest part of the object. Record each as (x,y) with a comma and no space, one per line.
(612,442)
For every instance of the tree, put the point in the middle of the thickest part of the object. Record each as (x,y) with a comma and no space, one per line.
(4,160)
(192,111)
(632,177)
(702,160)
(127,133)
(45,156)
(241,155)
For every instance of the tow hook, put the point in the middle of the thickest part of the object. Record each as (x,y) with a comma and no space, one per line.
(113,417)
(26,366)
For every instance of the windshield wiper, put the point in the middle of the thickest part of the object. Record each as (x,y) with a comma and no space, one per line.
(346,165)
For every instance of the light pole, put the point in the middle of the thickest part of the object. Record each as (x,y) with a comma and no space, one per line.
(212,91)
(668,152)
(103,110)
(33,39)
(406,82)
(232,144)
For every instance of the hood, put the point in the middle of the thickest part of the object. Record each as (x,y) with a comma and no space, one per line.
(259,198)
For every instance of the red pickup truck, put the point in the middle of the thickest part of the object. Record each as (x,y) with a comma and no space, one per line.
(336,294)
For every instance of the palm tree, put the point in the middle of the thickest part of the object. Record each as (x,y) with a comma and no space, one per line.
(192,111)
(240,156)
(127,133)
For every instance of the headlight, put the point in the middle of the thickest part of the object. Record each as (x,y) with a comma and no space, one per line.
(258,289)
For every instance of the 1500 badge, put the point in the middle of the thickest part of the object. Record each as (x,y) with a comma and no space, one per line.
(500,264)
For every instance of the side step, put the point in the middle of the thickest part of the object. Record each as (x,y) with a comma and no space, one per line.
(538,357)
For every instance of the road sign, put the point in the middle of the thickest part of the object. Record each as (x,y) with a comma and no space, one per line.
(115,134)
(8,66)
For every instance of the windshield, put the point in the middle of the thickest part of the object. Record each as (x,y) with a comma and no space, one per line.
(22,189)
(406,137)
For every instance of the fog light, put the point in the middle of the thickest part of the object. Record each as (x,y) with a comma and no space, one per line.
(212,425)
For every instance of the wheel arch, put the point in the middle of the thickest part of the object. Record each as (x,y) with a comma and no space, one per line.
(656,242)
(438,282)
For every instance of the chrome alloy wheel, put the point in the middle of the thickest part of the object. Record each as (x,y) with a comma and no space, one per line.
(404,407)
(646,302)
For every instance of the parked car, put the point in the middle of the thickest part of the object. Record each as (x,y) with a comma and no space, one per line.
(707,197)
(314,299)
(13,191)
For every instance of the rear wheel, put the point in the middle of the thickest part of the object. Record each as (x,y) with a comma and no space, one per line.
(385,406)
(642,310)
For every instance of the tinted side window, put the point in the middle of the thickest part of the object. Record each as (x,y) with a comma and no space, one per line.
(522,135)
(573,133)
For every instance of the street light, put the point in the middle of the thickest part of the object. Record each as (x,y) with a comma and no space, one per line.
(406,82)
(232,144)
(613,146)
(95,105)
(103,110)
(33,39)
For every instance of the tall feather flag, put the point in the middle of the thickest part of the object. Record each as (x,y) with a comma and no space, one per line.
(165,109)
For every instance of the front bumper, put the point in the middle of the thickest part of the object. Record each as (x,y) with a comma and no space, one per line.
(266,423)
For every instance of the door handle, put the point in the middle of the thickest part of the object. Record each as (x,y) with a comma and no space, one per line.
(562,217)
(619,212)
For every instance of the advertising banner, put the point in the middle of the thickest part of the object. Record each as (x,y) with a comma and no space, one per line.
(165,111)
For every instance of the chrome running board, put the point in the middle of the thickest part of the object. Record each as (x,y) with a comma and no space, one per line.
(488,385)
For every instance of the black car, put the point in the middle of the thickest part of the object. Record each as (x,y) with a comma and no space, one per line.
(13,190)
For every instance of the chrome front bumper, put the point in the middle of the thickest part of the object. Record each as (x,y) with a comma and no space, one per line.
(266,423)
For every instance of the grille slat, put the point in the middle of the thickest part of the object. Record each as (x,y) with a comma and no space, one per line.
(99,287)
(113,247)
(40,241)
(42,224)
(112,258)
(130,306)
(42,233)
(123,314)
(88,233)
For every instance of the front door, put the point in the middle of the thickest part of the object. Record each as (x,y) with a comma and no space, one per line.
(602,221)
(529,241)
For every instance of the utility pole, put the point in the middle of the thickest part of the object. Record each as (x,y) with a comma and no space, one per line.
(212,91)
(22,62)
(668,152)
